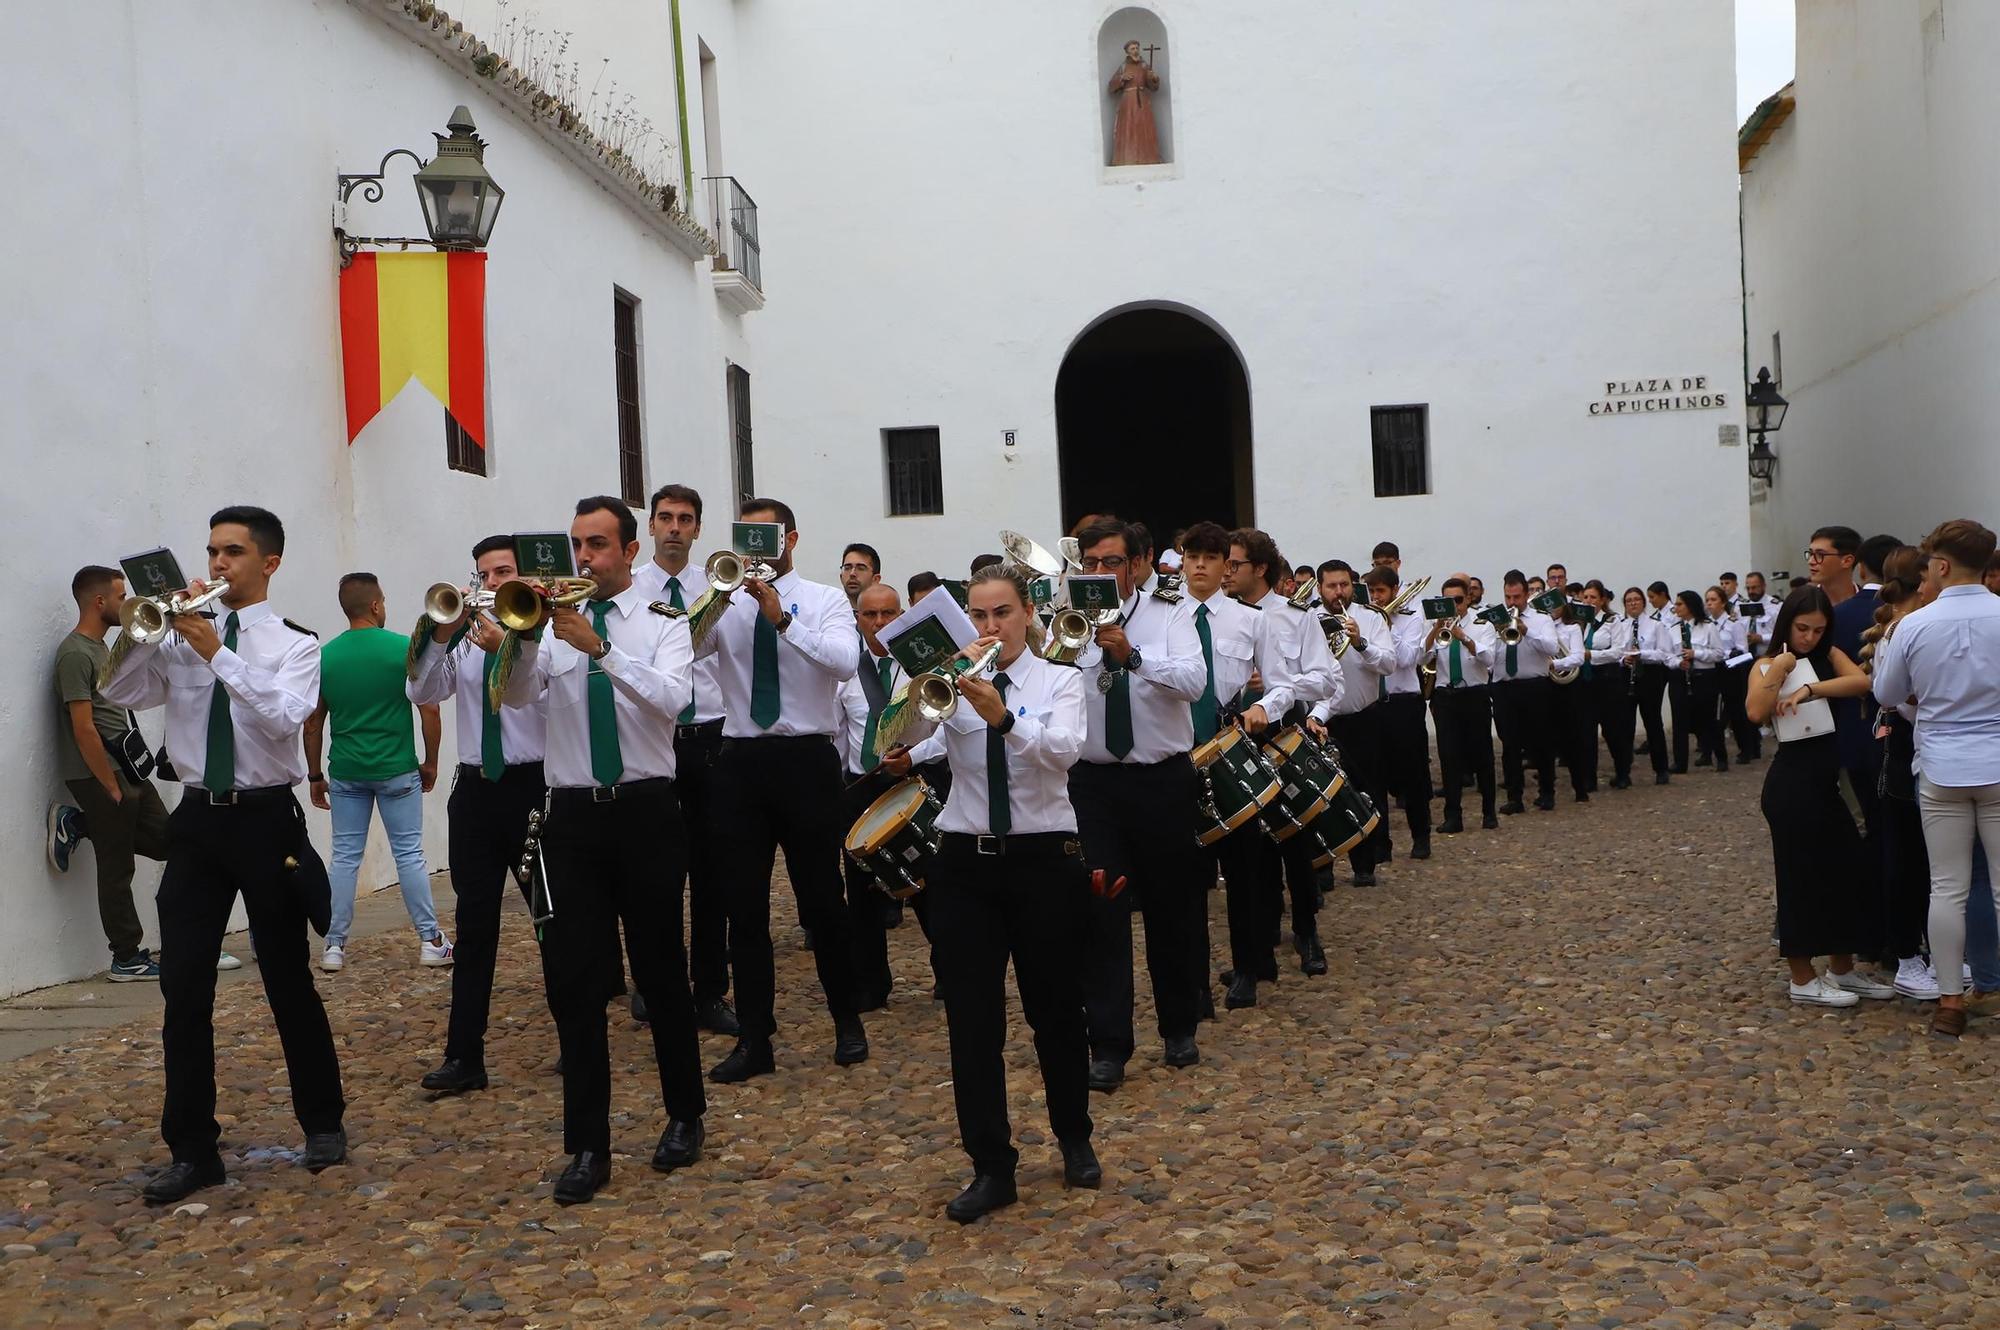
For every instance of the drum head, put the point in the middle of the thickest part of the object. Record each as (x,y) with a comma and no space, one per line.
(885,817)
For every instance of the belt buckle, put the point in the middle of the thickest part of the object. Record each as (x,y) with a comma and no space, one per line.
(990,844)
(221,799)
(603,794)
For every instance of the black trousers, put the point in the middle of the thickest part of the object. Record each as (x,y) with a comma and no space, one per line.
(1406,750)
(1136,822)
(604,869)
(1250,869)
(1574,712)
(1358,735)
(695,748)
(488,826)
(212,854)
(1652,689)
(1735,689)
(864,897)
(772,793)
(1027,906)
(1523,709)
(1699,712)
(1295,856)
(1464,720)
(1617,702)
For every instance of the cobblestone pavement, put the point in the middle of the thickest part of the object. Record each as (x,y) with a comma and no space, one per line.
(1552,1080)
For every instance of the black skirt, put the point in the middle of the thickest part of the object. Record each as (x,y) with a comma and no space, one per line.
(1821,870)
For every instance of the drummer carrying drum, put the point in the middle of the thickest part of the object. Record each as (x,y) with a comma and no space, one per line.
(1010,883)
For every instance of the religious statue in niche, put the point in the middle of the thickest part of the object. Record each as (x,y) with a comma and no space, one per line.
(1135,136)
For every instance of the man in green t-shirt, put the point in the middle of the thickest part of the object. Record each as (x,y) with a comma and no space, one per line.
(373,766)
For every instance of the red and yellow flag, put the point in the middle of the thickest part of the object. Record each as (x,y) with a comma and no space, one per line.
(421,316)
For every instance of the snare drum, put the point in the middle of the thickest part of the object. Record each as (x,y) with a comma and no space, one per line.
(1350,818)
(1307,779)
(896,838)
(1235,784)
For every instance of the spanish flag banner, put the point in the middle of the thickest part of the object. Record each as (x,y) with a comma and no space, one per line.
(421,316)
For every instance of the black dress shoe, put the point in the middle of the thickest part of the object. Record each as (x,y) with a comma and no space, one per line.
(1181,1051)
(1546,802)
(324,1149)
(850,1042)
(717,1017)
(867,1002)
(1659,778)
(1364,877)
(639,1012)
(1421,849)
(454,1076)
(1106,1074)
(1621,782)
(1512,806)
(1312,959)
(179,1180)
(1242,992)
(1451,826)
(1488,822)
(989,1191)
(1702,759)
(1080,1166)
(750,1057)
(1721,762)
(1583,796)
(580,1181)
(680,1145)
(1680,769)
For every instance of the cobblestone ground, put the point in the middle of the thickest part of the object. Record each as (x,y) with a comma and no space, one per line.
(1552,1080)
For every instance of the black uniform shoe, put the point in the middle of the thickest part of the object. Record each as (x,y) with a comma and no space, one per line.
(639,1012)
(1106,1074)
(680,1145)
(1080,1166)
(1421,849)
(717,1017)
(454,1076)
(178,1180)
(1702,759)
(750,1057)
(1242,992)
(1680,770)
(850,1042)
(1489,823)
(580,1181)
(1181,1051)
(1722,762)
(1621,782)
(1451,826)
(1659,778)
(1546,802)
(867,1002)
(1364,877)
(324,1149)
(1512,806)
(989,1191)
(1312,959)
(1582,797)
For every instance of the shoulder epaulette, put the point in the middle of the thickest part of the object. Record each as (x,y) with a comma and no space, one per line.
(299,628)
(1168,594)
(661,607)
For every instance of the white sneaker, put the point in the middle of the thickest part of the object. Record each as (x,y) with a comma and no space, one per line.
(435,953)
(332,959)
(1861,985)
(1914,979)
(1819,993)
(227,962)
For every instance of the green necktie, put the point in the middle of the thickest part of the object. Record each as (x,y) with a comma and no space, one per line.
(999,815)
(607,763)
(764,706)
(1457,664)
(1589,635)
(218,771)
(869,759)
(674,599)
(1381,688)
(1206,719)
(1513,660)
(1118,714)
(492,760)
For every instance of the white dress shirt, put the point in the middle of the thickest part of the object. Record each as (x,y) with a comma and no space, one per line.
(1537,650)
(820,648)
(651,664)
(272,678)
(460,674)
(1241,641)
(854,712)
(1705,638)
(1475,662)
(1170,677)
(1570,637)
(652,579)
(1946,654)
(1617,638)
(1047,702)
(1302,646)
(1408,631)
(1368,660)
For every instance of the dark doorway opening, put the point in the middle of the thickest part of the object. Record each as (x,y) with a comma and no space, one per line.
(1153,424)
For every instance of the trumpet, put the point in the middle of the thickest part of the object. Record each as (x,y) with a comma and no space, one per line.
(1070,631)
(447,604)
(1402,598)
(522,604)
(936,692)
(148,619)
(1514,629)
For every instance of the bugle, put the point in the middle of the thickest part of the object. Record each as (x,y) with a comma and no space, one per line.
(147,619)
(1069,632)
(935,693)
(522,604)
(445,603)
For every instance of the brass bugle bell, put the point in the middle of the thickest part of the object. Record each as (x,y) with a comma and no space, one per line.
(445,603)
(725,571)
(148,618)
(935,692)
(1070,632)
(522,605)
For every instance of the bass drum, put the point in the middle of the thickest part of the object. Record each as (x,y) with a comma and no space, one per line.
(1235,784)
(896,837)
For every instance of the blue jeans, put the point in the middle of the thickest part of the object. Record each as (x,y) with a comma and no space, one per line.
(1982,934)
(401,801)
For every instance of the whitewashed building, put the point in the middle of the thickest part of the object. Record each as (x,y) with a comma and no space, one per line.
(1461,276)
(1871,272)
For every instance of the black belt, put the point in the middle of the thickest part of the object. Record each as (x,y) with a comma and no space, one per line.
(702,729)
(473,770)
(1065,842)
(268,794)
(610,794)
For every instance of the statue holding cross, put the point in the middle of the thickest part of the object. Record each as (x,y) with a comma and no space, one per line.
(1135,136)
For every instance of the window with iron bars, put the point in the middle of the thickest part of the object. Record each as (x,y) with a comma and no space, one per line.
(739,432)
(461,451)
(625,354)
(1402,449)
(916,475)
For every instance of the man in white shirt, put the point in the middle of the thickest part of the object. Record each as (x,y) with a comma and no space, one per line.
(237,690)
(672,577)
(1354,720)
(1462,651)
(1523,699)
(782,649)
(1405,739)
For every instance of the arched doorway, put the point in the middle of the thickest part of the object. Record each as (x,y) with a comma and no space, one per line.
(1153,422)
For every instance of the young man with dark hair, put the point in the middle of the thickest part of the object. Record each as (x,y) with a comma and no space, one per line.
(782,649)
(1833,557)
(1524,701)
(1405,738)
(673,577)
(1354,719)
(500,780)
(374,766)
(237,691)
(921,585)
(1462,652)
(1558,577)
(860,567)
(1386,555)
(986,561)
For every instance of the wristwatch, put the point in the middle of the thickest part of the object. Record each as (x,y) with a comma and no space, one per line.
(784,622)
(1006,724)
(1133,660)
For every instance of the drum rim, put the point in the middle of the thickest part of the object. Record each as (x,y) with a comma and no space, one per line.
(1222,741)
(871,842)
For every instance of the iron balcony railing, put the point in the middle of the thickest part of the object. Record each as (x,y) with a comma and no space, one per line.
(734,214)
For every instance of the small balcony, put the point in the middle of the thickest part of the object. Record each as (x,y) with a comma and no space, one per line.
(738,268)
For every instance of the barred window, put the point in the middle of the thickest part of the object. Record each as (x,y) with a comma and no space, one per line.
(916,476)
(1402,449)
(625,353)
(738,386)
(461,451)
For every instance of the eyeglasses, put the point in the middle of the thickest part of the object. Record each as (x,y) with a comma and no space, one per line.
(1110,562)
(1234,565)
(1814,556)
(855,568)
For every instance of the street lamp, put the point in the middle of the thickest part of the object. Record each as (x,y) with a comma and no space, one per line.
(460,201)
(1767,416)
